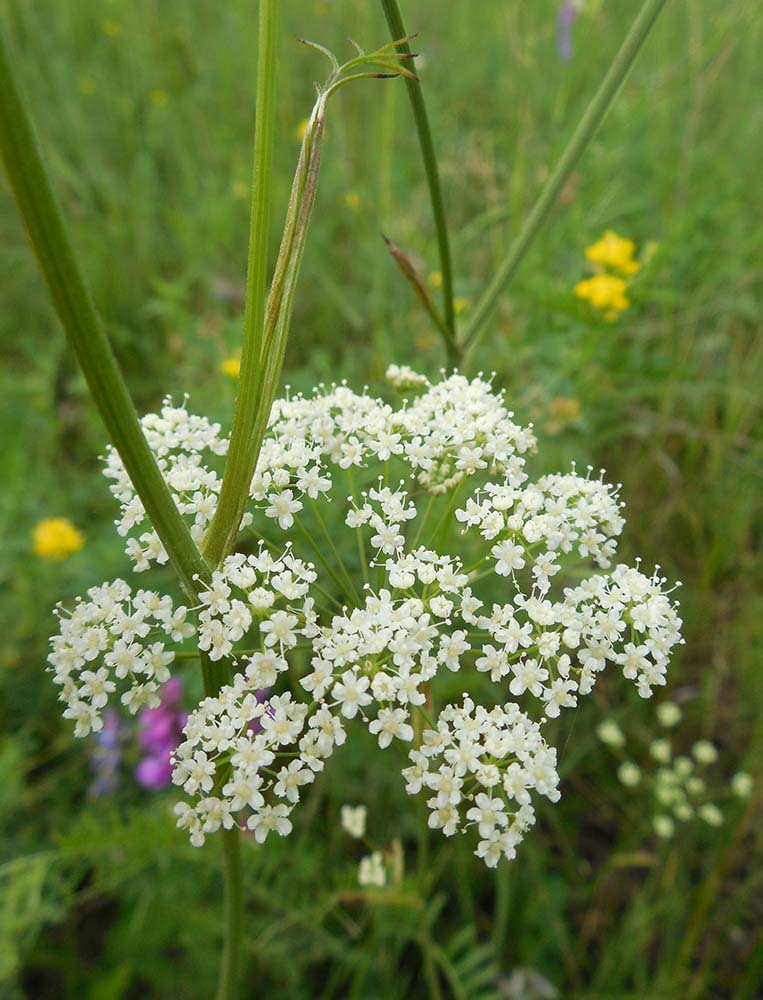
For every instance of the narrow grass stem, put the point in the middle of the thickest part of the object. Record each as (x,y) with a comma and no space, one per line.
(429,158)
(239,466)
(582,135)
(73,302)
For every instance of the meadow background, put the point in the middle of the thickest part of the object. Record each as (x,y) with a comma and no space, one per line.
(145,112)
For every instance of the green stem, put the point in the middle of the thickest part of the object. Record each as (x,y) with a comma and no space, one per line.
(582,135)
(429,158)
(75,307)
(216,676)
(230,968)
(240,462)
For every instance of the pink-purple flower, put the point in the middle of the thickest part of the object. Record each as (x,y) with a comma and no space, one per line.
(160,731)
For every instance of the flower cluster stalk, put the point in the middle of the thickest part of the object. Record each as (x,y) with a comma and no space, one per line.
(429,160)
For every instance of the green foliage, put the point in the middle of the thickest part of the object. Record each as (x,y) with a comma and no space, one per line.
(145,112)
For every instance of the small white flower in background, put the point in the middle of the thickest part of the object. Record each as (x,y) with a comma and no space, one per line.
(403,377)
(710,814)
(629,774)
(668,714)
(302,670)
(661,751)
(371,870)
(354,820)
(610,733)
(742,784)
(704,752)
(664,826)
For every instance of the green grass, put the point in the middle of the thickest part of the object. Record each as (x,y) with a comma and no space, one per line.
(105,901)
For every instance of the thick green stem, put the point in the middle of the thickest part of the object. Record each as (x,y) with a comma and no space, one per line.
(582,135)
(74,304)
(230,968)
(239,466)
(429,158)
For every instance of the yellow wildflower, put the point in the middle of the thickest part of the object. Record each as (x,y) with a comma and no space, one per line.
(435,279)
(55,538)
(112,28)
(613,251)
(231,366)
(604,291)
(461,304)
(351,200)
(159,98)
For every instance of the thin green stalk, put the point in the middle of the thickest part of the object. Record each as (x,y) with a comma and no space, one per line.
(429,158)
(319,553)
(75,307)
(582,135)
(335,552)
(216,675)
(359,530)
(239,466)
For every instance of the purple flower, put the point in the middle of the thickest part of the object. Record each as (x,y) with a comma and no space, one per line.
(568,13)
(160,731)
(154,772)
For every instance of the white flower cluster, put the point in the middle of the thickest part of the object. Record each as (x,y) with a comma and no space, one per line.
(455,428)
(263,591)
(404,377)
(245,758)
(489,761)
(179,440)
(538,524)
(374,653)
(114,636)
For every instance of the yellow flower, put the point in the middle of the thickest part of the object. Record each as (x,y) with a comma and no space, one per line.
(112,28)
(461,304)
(351,200)
(55,538)
(604,291)
(435,279)
(301,129)
(159,98)
(613,251)
(231,366)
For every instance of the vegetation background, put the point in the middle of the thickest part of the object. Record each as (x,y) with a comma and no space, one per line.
(145,112)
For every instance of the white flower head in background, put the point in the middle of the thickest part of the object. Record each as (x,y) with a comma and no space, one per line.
(371,870)
(354,820)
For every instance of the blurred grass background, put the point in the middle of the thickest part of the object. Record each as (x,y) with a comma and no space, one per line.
(145,112)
